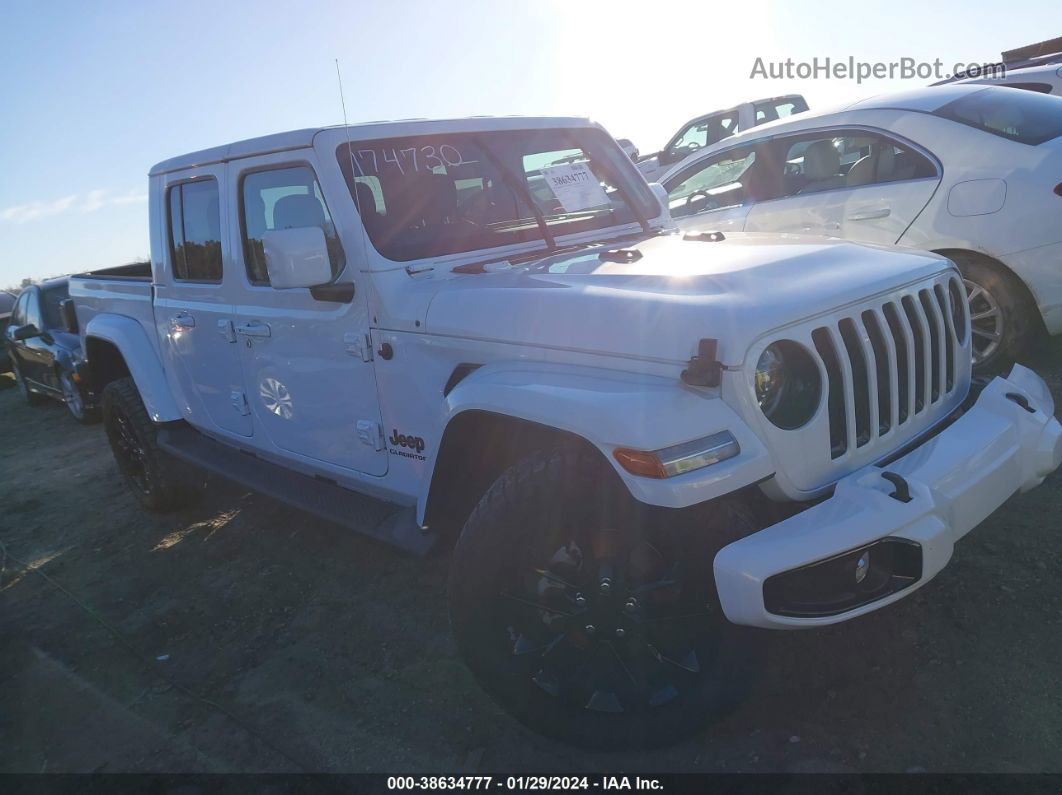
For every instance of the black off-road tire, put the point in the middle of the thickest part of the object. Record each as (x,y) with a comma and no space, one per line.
(536,504)
(1019,320)
(159,481)
(32,398)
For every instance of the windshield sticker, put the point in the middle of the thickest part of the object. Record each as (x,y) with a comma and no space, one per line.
(575,186)
(409,160)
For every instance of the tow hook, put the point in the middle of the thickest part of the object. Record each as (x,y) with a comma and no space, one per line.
(1021,400)
(903,491)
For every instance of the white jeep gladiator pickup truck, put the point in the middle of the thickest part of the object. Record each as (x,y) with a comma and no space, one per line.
(649,446)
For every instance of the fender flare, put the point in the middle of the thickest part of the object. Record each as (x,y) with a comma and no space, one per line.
(129,337)
(610,409)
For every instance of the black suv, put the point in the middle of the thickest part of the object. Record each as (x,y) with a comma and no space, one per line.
(45,349)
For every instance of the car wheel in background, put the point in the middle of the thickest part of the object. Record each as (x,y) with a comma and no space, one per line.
(159,481)
(31,397)
(75,402)
(586,621)
(1003,319)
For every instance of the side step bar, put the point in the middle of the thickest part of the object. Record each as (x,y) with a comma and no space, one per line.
(393,524)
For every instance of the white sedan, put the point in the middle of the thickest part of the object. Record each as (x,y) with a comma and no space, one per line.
(971,172)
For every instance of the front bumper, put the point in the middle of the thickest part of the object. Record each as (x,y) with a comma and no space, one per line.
(956,479)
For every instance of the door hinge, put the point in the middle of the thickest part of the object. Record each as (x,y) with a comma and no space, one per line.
(371,434)
(358,344)
(239,402)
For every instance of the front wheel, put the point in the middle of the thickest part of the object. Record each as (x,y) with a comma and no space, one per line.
(159,481)
(75,402)
(586,619)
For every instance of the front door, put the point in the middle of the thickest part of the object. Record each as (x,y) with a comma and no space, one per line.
(306,360)
(194,309)
(714,193)
(34,354)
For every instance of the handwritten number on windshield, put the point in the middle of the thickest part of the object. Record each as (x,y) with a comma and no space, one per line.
(407,161)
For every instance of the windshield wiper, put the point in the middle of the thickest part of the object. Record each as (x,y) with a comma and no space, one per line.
(521,189)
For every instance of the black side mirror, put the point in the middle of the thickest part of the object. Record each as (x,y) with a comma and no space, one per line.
(68,314)
(28,331)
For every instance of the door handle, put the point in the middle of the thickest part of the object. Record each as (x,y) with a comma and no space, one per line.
(182,321)
(870,215)
(253,329)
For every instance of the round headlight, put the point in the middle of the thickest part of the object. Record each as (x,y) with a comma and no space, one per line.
(788,384)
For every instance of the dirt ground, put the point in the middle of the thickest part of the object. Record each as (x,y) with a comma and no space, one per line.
(244,636)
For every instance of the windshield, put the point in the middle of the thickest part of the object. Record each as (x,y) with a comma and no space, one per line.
(1023,116)
(431,195)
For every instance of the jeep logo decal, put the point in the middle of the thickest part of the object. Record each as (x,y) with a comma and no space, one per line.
(401,440)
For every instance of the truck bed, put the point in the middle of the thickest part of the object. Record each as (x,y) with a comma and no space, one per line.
(124,290)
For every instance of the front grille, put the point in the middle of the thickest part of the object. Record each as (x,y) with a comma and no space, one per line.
(888,365)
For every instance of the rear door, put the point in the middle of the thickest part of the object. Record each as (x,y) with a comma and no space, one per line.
(306,359)
(194,309)
(855,184)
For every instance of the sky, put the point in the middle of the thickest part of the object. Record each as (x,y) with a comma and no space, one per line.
(92,94)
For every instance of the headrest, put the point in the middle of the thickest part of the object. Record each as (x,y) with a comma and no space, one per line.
(366,199)
(821,161)
(297,211)
(875,167)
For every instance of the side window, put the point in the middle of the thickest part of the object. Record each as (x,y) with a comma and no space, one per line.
(18,314)
(705,132)
(33,310)
(722,181)
(289,198)
(195,231)
(773,109)
(821,162)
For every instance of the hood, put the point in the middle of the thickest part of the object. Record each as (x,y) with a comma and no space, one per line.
(677,293)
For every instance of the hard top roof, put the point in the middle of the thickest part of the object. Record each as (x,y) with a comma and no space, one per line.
(300,139)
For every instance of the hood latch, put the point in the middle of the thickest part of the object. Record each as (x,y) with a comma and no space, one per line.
(704,369)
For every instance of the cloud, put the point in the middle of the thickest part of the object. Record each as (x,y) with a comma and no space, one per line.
(21,213)
(87,203)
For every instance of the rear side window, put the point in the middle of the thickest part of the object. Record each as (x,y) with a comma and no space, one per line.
(283,198)
(195,231)
(50,300)
(1027,117)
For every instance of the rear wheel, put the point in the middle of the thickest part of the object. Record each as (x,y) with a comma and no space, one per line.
(159,481)
(1003,319)
(587,619)
(31,397)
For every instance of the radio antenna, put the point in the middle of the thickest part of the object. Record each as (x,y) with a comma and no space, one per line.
(363,232)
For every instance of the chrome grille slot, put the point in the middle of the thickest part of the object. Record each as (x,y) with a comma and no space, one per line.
(936,344)
(885,370)
(890,363)
(904,363)
(920,333)
(861,376)
(950,337)
(835,391)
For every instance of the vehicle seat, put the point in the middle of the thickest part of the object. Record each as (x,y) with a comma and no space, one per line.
(297,211)
(822,168)
(876,167)
(371,218)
